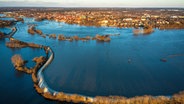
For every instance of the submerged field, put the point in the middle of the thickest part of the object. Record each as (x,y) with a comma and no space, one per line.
(128,65)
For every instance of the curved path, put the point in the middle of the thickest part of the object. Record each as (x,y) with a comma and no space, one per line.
(13,32)
(52,94)
(9,35)
(44,86)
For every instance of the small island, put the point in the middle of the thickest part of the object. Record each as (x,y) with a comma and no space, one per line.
(143,22)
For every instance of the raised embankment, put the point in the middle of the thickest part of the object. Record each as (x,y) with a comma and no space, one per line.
(14,30)
(56,95)
(39,81)
(49,93)
(52,94)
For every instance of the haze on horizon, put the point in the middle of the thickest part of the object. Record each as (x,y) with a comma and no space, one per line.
(92,3)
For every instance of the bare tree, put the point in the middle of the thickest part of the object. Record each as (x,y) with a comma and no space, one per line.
(17,60)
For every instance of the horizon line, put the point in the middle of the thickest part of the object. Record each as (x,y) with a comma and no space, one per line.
(92,7)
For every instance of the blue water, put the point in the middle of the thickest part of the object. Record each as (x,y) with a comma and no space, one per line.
(5,30)
(1,15)
(96,68)
(17,87)
(4,18)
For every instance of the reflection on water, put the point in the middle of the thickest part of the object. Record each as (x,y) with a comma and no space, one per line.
(96,68)
(15,85)
(19,74)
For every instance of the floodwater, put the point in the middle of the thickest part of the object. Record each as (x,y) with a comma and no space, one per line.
(17,87)
(128,65)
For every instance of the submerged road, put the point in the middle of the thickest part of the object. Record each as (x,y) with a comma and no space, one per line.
(44,86)
(61,96)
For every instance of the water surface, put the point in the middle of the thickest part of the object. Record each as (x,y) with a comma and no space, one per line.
(17,87)
(96,68)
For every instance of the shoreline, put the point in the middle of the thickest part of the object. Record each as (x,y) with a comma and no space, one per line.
(121,18)
(42,88)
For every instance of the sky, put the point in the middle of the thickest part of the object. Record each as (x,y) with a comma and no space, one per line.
(92,3)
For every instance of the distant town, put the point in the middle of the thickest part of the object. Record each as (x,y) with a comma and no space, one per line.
(118,17)
(141,20)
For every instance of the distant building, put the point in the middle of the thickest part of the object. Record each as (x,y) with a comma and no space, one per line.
(127,19)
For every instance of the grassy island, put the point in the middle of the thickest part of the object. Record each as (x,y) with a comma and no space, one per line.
(145,21)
